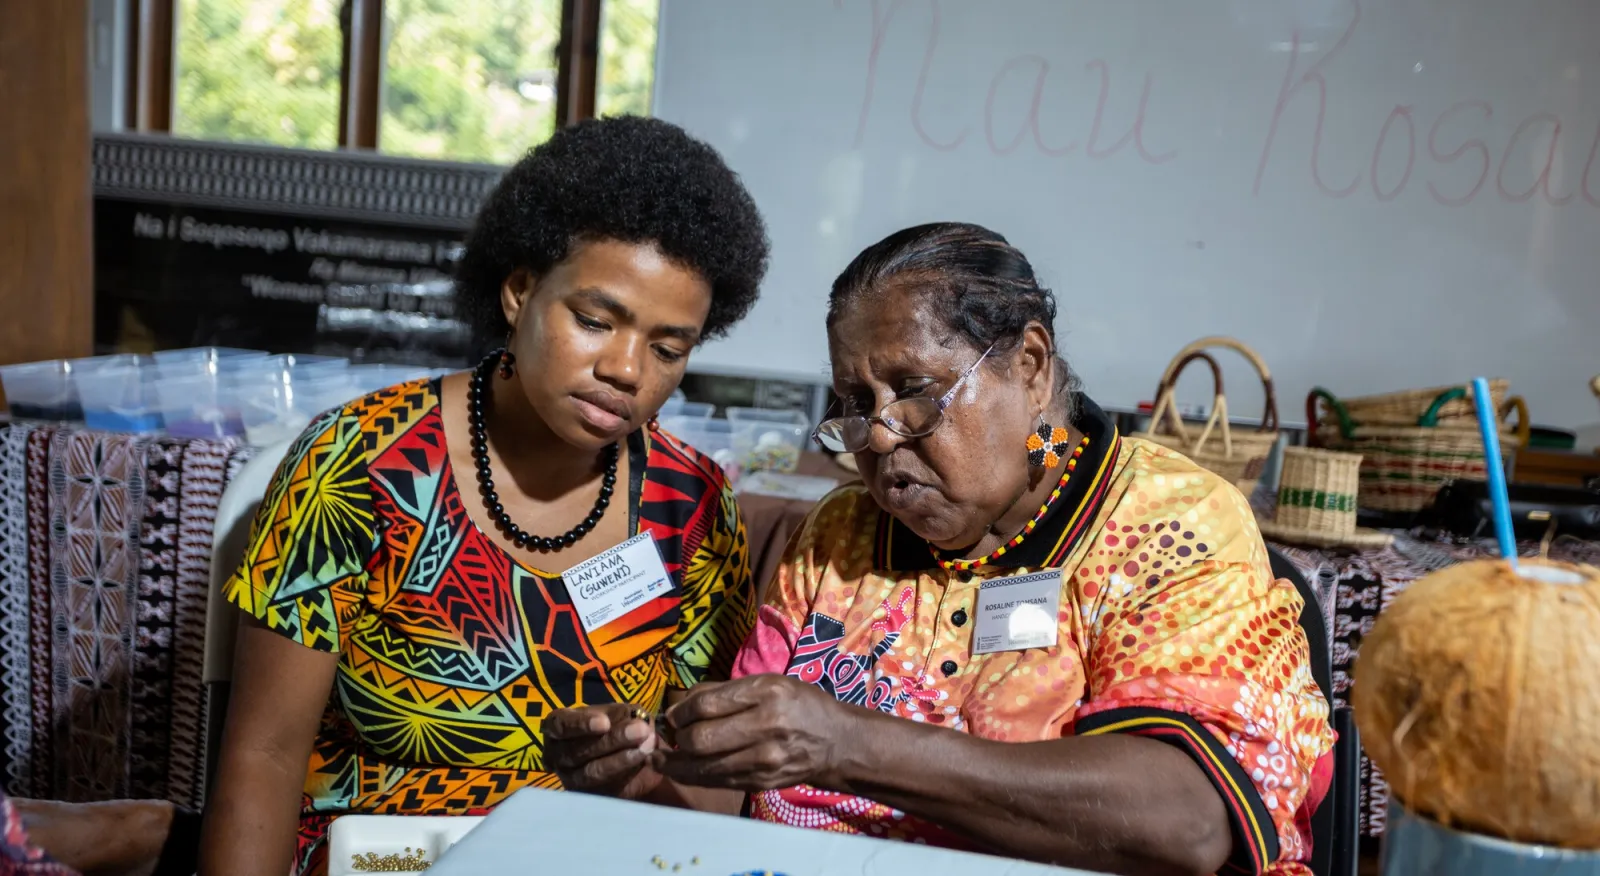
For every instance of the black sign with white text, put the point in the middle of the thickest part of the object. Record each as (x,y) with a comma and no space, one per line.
(177,276)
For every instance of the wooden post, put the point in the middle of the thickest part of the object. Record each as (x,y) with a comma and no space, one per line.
(577,61)
(46,269)
(156,34)
(361,81)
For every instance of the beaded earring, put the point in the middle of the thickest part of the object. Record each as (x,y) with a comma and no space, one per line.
(1047,444)
(507,361)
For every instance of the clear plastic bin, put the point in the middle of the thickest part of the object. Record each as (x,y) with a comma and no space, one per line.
(371,378)
(115,359)
(165,359)
(277,406)
(118,394)
(305,363)
(714,438)
(205,397)
(769,440)
(41,391)
(679,407)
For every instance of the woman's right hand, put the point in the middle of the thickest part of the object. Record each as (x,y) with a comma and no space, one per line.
(601,750)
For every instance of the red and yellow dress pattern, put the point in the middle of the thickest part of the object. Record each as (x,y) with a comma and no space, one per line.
(1170,626)
(451,653)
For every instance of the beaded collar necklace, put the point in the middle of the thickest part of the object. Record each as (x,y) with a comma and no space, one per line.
(1066,475)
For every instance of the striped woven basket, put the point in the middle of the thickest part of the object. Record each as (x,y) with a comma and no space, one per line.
(1237,457)
(1403,467)
(1407,407)
(1317,498)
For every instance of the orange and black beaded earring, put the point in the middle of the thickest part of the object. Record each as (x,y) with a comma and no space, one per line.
(1047,444)
(507,361)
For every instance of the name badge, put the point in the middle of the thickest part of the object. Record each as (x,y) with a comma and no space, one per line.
(1017,613)
(609,585)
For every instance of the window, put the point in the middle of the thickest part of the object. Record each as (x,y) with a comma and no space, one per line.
(469,80)
(627,57)
(457,80)
(259,70)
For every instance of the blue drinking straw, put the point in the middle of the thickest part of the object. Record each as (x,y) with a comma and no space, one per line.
(1497,470)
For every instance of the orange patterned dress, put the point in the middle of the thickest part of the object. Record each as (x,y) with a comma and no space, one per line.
(1170,626)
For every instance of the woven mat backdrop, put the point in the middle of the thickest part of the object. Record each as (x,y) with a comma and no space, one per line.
(105,553)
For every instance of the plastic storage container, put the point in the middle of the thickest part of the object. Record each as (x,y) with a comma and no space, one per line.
(205,397)
(371,378)
(308,364)
(714,438)
(169,360)
(118,394)
(277,402)
(41,391)
(678,407)
(768,440)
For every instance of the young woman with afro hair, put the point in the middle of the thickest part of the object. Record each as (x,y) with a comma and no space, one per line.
(406,631)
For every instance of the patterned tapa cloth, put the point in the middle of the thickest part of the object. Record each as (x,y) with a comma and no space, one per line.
(1358,585)
(452,652)
(105,555)
(1170,626)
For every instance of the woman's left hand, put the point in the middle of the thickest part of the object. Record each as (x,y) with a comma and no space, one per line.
(758,733)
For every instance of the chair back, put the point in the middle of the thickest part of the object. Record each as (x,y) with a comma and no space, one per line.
(236,512)
(1324,821)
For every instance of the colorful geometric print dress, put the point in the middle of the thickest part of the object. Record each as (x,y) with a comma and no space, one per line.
(1170,626)
(451,653)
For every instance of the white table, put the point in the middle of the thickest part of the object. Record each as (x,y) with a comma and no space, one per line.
(556,832)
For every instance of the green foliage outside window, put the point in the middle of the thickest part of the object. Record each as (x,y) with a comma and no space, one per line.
(259,70)
(463,80)
(627,57)
(469,80)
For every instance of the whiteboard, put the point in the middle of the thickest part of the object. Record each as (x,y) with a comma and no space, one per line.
(1375,195)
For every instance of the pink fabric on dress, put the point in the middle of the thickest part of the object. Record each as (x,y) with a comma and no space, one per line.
(769,647)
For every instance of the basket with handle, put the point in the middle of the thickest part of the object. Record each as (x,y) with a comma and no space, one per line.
(1237,457)
(1407,407)
(1403,467)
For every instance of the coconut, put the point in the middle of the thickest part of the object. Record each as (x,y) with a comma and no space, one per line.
(1478,695)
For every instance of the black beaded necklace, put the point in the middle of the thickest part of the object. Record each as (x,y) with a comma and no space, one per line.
(476,391)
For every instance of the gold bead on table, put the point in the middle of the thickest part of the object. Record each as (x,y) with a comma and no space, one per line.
(411,861)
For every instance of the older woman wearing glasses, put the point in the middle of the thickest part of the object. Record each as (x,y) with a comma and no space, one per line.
(1024,633)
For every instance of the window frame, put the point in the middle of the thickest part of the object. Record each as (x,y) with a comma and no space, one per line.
(152,67)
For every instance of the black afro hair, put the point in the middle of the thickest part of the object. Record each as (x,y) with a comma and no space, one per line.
(629,179)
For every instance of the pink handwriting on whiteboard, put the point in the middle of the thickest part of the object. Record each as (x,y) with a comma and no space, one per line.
(1013,71)
(1449,142)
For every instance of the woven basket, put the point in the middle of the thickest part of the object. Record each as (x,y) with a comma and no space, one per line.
(1317,497)
(1403,467)
(1407,408)
(1236,457)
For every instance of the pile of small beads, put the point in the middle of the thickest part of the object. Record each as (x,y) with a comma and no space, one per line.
(413,861)
(772,453)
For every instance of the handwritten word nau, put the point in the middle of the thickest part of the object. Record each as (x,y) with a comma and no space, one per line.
(1022,71)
